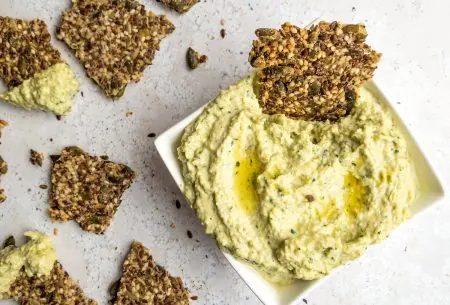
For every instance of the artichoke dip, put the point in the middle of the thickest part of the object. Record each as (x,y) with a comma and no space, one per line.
(37,257)
(50,90)
(295,198)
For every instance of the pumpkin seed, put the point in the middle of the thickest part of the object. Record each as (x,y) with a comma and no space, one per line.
(10,241)
(114,288)
(75,151)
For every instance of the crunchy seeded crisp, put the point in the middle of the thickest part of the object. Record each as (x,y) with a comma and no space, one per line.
(194,59)
(114,39)
(144,282)
(55,289)
(25,49)
(36,158)
(312,74)
(181,6)
(87,189)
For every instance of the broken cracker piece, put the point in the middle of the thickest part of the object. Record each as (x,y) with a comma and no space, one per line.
(114,39)
(312,74)
(87,189)
(55,289)
(25,49)
(144,282)
(181,6)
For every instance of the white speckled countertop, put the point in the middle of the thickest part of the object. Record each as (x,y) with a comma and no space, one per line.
(412,267)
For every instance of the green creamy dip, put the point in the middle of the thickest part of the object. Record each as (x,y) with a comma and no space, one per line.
(37,256)
(294,198)
(51,90)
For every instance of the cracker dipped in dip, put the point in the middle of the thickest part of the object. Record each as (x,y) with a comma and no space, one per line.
(296,198)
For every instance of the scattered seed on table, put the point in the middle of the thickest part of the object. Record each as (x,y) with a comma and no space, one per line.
(36,158)
(194,58)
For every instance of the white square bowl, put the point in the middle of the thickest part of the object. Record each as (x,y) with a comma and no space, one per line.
(269,293)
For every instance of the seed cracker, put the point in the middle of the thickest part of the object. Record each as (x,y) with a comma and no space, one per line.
(58,288)
(181,6)
(25,50)
(87,189)
(114,39)
(144,282)
(312,74)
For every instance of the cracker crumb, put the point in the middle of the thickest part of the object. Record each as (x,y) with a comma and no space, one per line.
(173,226)
(115,40)
(55,231)
(128,114)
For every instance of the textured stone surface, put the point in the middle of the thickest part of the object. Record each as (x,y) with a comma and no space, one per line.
(411,268)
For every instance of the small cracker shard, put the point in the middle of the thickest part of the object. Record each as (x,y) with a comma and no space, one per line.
(56,288)
(312,74)
(114,39)
(181,6)
(36,158)
(87,189)
(144,282)
(25,50)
